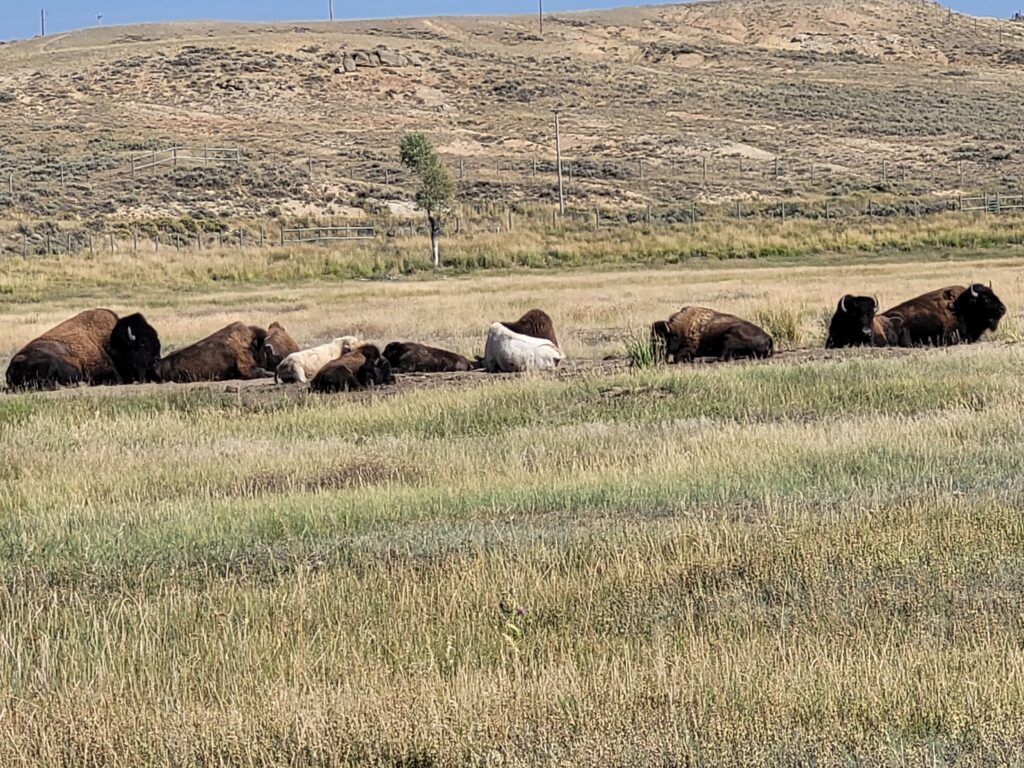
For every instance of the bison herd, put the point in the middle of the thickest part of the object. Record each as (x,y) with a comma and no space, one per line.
(97,347)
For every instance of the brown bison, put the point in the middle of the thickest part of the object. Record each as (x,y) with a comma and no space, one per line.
(235,352)
(277,346)
(359,368)
(954,315)
(855,324)
(697,332)
(536,323)
(410,357)
(93,347)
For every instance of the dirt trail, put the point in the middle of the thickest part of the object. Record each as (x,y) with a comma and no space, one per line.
(265,390)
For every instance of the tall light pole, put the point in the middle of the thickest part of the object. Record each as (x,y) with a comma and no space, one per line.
(330,4)
(42,22)
(540,4)
(558,158)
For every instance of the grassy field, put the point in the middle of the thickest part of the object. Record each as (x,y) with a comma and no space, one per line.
(787,563)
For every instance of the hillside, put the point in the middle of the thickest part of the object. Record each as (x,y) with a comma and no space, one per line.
(843,96)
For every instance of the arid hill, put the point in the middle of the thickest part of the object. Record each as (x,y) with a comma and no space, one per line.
(775,96)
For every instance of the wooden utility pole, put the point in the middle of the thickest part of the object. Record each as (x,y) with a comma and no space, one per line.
(42,22)
(541,15)
(330,4)
(558,159)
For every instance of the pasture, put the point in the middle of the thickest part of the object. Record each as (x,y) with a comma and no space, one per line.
(817,558)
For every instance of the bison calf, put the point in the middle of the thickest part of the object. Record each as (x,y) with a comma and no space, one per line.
(410,357)
(304,365)
(696,332)
(357,369)
(93,347)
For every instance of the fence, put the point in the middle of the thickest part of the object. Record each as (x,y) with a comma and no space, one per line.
(996,203)
(320,235)
(174,155)
(501,219)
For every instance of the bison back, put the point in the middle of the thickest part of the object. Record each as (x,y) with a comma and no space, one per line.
(410,357)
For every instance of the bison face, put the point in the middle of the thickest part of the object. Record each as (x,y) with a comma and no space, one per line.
(978,310)
(135,349)
(851,324)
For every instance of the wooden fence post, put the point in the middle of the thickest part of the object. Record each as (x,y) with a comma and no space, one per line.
(24,246)
(135,241)
(704,170)
(693,213)
(282,237)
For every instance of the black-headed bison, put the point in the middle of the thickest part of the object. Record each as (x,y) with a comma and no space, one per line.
(698,332)
(359,368)
(235,352)
(93,347)
(953,315)
(855,324)
(410,357)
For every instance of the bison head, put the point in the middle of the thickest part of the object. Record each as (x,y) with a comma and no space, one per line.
(978,310)
(851,324)
(135,349)
(376,371)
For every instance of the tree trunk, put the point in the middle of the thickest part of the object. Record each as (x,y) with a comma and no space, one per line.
(435,244)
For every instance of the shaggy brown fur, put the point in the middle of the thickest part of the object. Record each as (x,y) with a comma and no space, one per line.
(234,352)
(278,346)
(695,332)
(952,315)
(357,369)
(93,347)
(536,324)
(889,332)
(410,357)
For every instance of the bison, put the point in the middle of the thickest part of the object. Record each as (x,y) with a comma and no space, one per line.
(235,352)
(277,346)
(410,357)
(855,324)
(94,347)
(510,352)
(953,315)
(697,332)
(303,366)
(359,368)
(535,323)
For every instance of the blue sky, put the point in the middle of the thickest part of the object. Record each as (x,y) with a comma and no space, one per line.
(21,19)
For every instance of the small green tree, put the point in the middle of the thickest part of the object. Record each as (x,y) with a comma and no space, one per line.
(437,188)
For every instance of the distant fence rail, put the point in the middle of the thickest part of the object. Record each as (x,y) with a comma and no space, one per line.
(327,234)
(175,155)
(996,203)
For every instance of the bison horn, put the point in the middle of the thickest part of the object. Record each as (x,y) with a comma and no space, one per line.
(131,336)
(875,299)
(974,290)
(842,305)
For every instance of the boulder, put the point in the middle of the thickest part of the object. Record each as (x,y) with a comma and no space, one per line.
(389,58)
(361,59)
(348,64)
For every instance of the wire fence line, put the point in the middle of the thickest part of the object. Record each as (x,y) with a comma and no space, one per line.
(500,219)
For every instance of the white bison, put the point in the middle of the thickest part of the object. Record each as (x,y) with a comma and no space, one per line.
(510,352)
(302,366)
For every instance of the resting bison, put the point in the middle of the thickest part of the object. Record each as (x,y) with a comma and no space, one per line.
(535,323)
(93,347)
(511,352)
(235,352)
(277,346)
(303,366)
(357,369)
(953,315)
(855,324)
(695,332)
(410,357)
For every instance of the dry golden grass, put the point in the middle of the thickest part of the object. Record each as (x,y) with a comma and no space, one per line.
(761,564)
